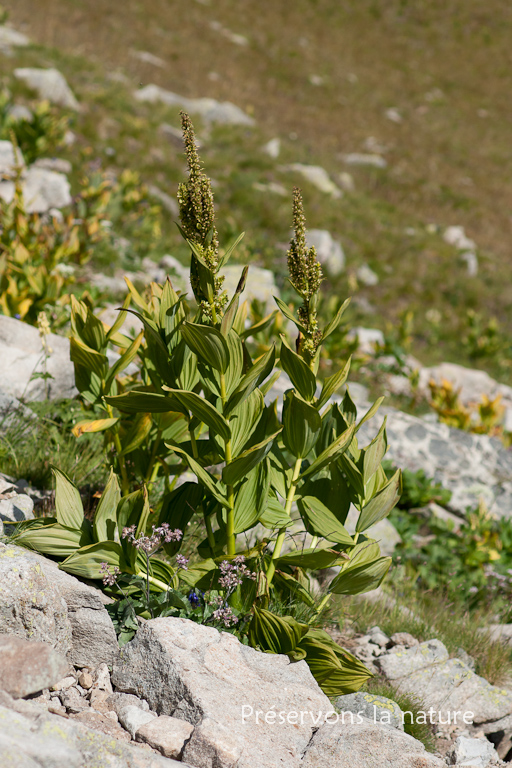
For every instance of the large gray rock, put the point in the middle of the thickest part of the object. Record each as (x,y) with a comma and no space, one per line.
(39,601)
(44,189)
(198,674)
(445,685)
(366,745)
(31,605)
(21,355)
(210,110)
(380,709)
(166,734)
(49,84)
(473,384)
(28,667)
(478,753)
(30,738)
(329,251)
(470,466)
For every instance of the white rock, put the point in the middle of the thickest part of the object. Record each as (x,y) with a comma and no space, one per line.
(394,115)
(372,160)
(45,189)
(473,752)
(272,148)
(367,338)
(213,746)
(346,181)
(329,251)
(471,260)
(498,633)
(166,734)
(233,37)
(20,112)
(367,276)
(209,109)
(317,176)
(50,84)
(56,164)
(9,158)
(17,508)
(457,237)
(132,718)
(473,384)
(148,58)
(260,285)
(272,187)
(11,38)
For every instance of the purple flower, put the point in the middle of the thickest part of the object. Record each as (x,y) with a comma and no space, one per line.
(225,615)
(109,576)
(182,562)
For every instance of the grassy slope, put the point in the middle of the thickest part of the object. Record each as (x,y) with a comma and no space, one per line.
(444,65)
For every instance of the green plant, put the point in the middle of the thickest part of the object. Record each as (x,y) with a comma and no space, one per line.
(418,489)
(198,401)
(40,134)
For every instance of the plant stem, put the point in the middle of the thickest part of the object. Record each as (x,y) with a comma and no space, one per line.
(230,523)
(125,483)
(207,521)
(147,587)
(282,532)
(152,461)
(321,606)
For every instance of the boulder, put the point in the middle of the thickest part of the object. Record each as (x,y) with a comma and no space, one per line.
(377,708)
(470,466)
(44,189)
(49,84)
(212,111)
(29,738)
(11,38)
(208,678)
(478,753)
(317,176)
(27,667)
(329,251)
(39,601)
(21,355)
(16,508)
(447,686)
(366,745)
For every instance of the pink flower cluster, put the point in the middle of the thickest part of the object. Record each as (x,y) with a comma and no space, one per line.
(234,573)
(109,576)
(149,544)
(224,613)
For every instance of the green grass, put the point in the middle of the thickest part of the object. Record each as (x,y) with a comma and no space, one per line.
(447,159)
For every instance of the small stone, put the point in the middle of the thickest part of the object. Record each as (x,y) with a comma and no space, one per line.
(57,709)
(367,276)
(404,638)
(272,148)
(101,677)
(63,684)
(212,745)
(167,734)
(85,680)
(99,700)
(132,718)
(119,701)
(102,723)
(73,702)
(317,176)
(372,160)
(472,752)
(378,637)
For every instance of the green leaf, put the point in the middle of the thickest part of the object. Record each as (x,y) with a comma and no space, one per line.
(287,312)
(322,521)
(253,330)
(144,402)
(354,580)
(275,634)
(203,410)
(336,670)
(208,344)
(105,517)
(374,453)
(332,452)
(252,379)
(244,419)
(332,384)
(302,424)
(274,515)
(86,562)
(299,372)
(230,313)
(284,581)
(381,504)
(311,558)
(227,255)
(246,461)
(97,425)
(120,319)
(68,504)
(53,539)
(371,412)
(178,508)
(84,356)
(140,429)
(136,295)
(332,326)
(203,476)
(251,497)
(123,362)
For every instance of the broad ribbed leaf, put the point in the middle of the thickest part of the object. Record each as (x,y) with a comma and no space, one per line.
(242,465)
(332,452)
(55,540)
(253,378)
(275,634)
(82,355)
(336,670)
(311,558)
(86,562)
(287,312)
(124,361)
(374,453)
(381,504)
(203,476)
(68,504)
(251,497)
(140,429)
(371,411)
(361,578)
(336,320)
(299,372)
(322,521)
(274,515)
(208,344)
(97,425)
(105,517)
(302,424)
(203,410)
(144,402)
(332,384)
(244,419)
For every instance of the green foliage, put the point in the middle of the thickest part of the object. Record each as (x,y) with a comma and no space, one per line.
(418,489)
(41,134)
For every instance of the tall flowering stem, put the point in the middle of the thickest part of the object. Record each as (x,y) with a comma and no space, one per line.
(305,276)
